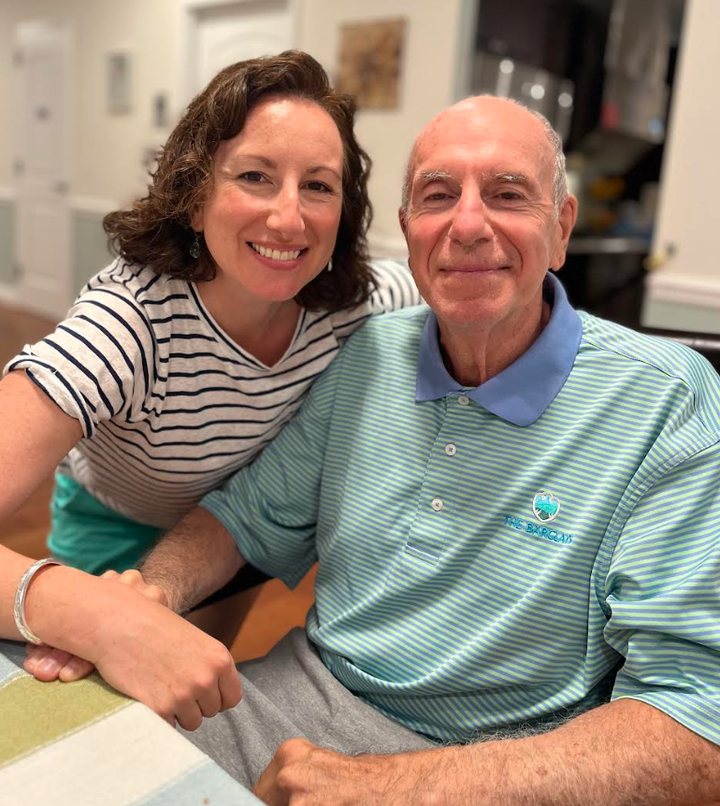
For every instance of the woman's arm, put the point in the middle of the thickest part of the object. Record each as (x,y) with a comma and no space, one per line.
(139,646)
(36,434)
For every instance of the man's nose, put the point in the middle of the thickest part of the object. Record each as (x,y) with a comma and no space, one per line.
(471,219)
(285,215)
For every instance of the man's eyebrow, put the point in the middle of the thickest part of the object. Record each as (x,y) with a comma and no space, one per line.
(432,176)
(518,179)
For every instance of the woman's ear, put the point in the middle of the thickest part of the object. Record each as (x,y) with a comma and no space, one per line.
(196,220)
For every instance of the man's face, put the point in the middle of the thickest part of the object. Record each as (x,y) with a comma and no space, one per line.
(481,223)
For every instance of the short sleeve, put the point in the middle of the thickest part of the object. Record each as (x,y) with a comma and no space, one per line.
(663,592)
(97,359)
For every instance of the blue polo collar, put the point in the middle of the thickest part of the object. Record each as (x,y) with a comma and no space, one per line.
(522,391)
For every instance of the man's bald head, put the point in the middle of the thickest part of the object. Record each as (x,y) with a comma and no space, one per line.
(488,105)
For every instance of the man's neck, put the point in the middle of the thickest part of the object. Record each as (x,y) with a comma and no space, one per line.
(474,355)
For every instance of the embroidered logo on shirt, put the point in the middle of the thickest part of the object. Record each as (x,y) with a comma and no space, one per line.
(536,530)
(545,507)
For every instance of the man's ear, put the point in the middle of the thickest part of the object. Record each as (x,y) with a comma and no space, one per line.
(564,227)
(402,217)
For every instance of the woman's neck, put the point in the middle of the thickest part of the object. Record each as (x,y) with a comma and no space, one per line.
(263,329)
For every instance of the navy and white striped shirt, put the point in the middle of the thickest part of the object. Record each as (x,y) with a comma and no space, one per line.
(170,406)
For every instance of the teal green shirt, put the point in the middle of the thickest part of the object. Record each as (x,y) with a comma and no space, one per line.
(491,556)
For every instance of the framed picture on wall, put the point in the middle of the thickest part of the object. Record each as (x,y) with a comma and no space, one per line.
(119,82)
(370,62)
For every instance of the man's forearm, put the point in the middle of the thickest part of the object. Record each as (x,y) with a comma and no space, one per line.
(193,560)
(620,754)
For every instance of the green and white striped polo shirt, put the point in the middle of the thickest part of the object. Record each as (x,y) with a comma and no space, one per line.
(490,556)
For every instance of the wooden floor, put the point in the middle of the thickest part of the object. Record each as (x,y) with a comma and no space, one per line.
(250,622)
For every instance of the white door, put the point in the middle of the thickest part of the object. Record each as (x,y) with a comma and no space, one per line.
(42,166)
(221,33)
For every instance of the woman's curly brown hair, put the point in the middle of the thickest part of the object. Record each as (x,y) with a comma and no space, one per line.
(156,230)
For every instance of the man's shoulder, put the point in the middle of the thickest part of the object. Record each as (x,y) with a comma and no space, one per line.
(659,362)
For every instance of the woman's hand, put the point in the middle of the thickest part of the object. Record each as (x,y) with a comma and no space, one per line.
(47,663)
(139,646)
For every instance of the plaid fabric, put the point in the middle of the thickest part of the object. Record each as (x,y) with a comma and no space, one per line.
(83,743)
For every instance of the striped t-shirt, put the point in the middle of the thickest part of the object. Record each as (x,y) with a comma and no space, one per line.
(491,556)
(170,406)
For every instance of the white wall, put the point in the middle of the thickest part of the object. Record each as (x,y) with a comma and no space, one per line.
(685,291)
(433,38)
(108,148)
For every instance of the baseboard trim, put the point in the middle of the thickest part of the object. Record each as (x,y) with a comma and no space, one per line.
(8,295)
(701,292)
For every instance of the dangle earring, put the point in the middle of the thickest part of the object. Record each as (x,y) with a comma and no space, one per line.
(195,247)
(329,265)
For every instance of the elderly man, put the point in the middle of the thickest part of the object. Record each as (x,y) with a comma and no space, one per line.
(516,513)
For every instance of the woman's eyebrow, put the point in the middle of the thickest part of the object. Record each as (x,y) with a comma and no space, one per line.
(314,169)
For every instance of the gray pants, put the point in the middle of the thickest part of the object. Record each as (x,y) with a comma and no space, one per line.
(290,693)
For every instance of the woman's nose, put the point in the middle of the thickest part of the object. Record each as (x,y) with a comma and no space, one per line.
(286,216)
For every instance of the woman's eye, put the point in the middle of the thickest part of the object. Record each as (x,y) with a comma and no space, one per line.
(319,187)
(252,176)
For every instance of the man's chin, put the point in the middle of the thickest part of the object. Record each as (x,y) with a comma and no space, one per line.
(482,314)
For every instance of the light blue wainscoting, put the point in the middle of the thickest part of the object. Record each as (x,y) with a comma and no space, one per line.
(90,250)
(681,316)
(7,242)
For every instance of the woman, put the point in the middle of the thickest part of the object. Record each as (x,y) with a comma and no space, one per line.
(239,275)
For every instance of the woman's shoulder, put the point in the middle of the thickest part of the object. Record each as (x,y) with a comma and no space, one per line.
(133,280)
(394,286)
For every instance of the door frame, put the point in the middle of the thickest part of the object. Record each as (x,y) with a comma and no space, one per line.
(189,24)
(24,34)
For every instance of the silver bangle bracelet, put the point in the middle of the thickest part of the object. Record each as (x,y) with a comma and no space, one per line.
(21,593)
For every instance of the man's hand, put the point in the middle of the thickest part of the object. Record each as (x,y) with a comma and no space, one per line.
(302,774)
(47,663)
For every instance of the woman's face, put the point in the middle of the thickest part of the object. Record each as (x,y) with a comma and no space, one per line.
(272,217)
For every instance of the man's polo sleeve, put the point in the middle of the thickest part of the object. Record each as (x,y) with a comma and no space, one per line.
(663,589)
(271,506)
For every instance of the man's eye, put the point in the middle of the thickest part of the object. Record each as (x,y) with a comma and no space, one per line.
(509,195)
(252,176)
(439,196)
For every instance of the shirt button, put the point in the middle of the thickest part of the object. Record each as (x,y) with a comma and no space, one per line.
(437,504)
(463,400)
(450,449)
